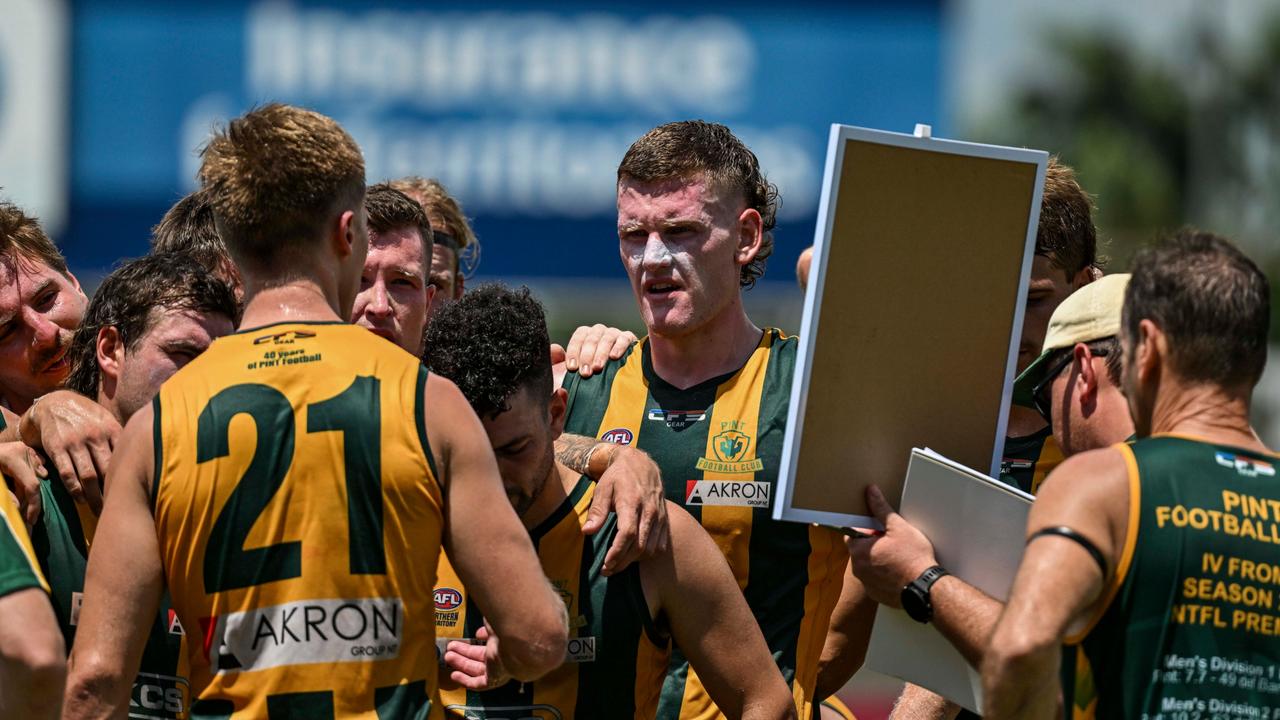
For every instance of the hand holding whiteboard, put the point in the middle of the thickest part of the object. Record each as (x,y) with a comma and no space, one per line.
(910,332)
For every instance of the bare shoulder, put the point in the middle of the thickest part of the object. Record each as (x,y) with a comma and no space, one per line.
(443,402)
(1086,489)
(683,525)
(1094,473)
(141,427)
(690,544)
(135,450)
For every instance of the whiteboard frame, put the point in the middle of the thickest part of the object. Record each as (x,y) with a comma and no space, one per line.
(838,138)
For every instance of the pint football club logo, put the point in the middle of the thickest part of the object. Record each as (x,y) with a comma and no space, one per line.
(732,451)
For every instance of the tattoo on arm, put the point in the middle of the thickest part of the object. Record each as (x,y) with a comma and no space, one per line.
(574,452)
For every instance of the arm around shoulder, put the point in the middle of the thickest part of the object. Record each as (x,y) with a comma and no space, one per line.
(487,545)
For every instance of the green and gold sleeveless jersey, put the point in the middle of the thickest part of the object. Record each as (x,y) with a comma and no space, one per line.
(1029,459)
(719,446)
(299,521)
(61,539)
(1192,622)
(616,654)
(18,567)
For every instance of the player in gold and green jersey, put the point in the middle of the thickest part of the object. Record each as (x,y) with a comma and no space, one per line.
(1029,459)
(622,625)
(706,392)
(1159,555)
(32,658)
(284,487)
(151,316)
(713,441)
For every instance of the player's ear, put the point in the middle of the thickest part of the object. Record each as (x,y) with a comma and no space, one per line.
(1086,275)
(1150,350)
(750,235)
(1087,378)
(343,237)
(459,281)
(110,354)
(559,403)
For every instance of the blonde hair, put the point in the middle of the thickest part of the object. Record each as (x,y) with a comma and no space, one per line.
(274,176)
(446,216)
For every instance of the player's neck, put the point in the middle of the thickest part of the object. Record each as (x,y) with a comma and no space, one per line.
(297,301)
(1208,413)
(1023,422)
(17,403)
(719,347)
(559,483)
(1111,418)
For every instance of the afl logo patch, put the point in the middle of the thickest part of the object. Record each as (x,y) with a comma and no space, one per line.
(621,436)
(448,599)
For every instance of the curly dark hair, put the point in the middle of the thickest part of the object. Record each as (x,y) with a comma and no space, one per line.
(173,281)
(491,344)
(689,147)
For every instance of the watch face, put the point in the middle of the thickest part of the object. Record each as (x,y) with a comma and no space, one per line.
(913,602)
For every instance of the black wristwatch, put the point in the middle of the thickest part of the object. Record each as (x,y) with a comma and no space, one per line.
(915,596)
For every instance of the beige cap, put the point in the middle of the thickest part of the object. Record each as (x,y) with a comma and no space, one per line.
(1091,313)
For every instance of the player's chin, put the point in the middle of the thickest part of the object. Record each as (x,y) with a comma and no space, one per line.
(669,321)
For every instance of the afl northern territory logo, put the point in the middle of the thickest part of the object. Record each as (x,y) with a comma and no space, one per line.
(620,436)
(448,599)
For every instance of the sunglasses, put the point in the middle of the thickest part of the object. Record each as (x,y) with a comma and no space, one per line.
(1040,393)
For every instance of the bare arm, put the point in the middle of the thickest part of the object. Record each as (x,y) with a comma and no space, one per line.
(33,661)
(578,453)
(488,546)
(629,484)
(713,626)
(123,584)
(965,616)
(916,703)
(1058,584)
(846,645)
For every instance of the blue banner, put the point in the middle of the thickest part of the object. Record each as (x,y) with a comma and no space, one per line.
(522,111)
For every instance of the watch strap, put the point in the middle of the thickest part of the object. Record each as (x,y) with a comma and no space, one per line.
(929,577)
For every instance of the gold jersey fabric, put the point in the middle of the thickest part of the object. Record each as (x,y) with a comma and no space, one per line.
(616,654)
(300,521)
(18,567)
